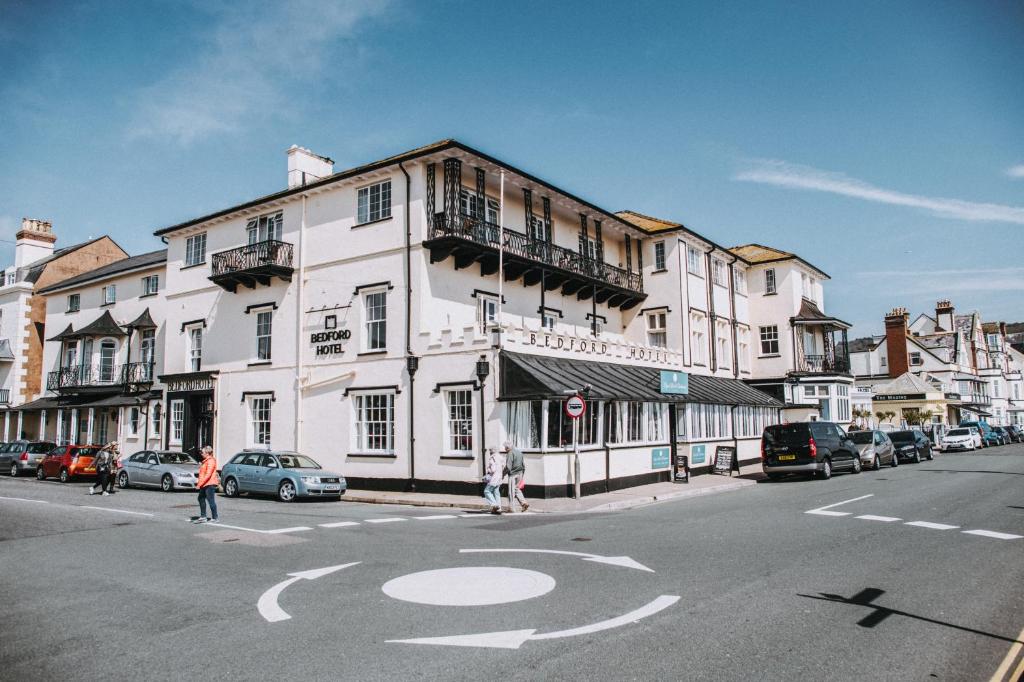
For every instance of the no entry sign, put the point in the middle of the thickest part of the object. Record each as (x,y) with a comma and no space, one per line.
(575,407)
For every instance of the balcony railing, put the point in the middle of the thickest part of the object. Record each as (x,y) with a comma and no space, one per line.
(127,375)
(5,396)
(823,364)
(564,264)
(252,264)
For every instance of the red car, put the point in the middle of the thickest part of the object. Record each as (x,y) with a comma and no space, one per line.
(67,461)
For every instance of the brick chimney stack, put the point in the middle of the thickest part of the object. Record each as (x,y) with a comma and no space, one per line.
(896,342)
(33,241)
(944,317)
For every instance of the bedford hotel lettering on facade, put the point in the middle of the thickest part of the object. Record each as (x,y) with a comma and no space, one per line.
(397,319)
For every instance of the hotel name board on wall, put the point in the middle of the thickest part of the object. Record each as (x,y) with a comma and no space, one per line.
(189,383)
(897,397)
(584,346)
(329,342)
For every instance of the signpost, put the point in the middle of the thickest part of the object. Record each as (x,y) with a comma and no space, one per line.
(575,407)
(725,459)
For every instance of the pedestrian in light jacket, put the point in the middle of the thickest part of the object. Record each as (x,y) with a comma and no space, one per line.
(516,468)
(494,472)
(207,485)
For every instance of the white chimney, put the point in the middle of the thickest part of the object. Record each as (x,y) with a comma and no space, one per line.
(305,167)
(33,242)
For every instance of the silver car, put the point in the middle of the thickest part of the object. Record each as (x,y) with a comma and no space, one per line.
(22,457)
(875,449)
(164,469)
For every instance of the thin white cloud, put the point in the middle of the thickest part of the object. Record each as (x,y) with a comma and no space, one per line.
(948,281)
(783,174)
(241,71)
(1016,171)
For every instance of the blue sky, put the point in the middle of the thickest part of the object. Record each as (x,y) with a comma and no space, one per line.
(882,141)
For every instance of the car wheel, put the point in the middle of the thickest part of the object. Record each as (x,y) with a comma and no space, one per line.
(122,479)
(857,466)
(826,471)
(40,474)
(895,461)
(286,491)
(64,476)
(230,487)
(167,483)
(917,456)
(876,463)
(930,455)
(14,469)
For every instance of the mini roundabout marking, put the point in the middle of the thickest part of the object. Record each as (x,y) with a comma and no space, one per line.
(475,586)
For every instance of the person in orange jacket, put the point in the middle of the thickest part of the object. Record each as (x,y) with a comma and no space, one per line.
(207,486)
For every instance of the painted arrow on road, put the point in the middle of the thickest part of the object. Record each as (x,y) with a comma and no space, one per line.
(268,606)
(623,561)
(513,639)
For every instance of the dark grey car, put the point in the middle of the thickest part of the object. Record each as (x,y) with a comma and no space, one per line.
(164,469)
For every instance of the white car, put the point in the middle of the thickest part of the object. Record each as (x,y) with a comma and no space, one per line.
(963,438)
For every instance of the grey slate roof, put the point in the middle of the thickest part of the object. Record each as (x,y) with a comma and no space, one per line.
(104,325)
(123,265)
(143,321)
(865,343)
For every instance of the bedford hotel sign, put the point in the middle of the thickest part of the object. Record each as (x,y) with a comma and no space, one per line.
(582,346)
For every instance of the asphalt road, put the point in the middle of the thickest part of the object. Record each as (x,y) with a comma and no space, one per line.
(130,590)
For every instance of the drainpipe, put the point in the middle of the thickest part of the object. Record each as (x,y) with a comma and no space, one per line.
(712,327)
(411,361)
(735,440)
(684,305)
(732,304)
(300,296)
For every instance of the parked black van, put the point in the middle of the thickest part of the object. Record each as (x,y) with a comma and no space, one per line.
(815,448)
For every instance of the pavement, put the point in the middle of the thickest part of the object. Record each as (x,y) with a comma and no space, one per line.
(912,573)
(627,498)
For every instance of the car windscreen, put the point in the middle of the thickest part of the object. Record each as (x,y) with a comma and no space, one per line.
(83,452)
(902,436)
(959,432)
(176,458)
(862,437)
(39,448)
(297,462)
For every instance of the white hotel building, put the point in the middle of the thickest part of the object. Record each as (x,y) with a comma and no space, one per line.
(396,319)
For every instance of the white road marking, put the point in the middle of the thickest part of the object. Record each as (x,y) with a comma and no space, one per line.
(929,524)
(884,519)
(993,534)
(821,511)
(267,604)
(276,531)
(513,639)
(118,511)
(623,561)
(339,524)
(435,517)
(24,499)
(391,520)
(469,586)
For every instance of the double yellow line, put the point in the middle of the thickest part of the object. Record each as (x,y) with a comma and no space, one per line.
(1000,675)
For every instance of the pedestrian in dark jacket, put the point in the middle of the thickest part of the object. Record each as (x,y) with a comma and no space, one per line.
(516,468)
(102,462)
(115,459)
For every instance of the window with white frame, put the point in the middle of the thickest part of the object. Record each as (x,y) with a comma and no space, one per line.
(374,202)
(374,423)
(698,338)
(258,418)
(659,255)
(265,228)
(109,294)
(486,311)
(808,286)
(195,249)
(133,421)
(195,347)
(590,249)
(743,348)
(559,426)
(177,421)
(843,403)
(147,352)
(264,326)
(74,303)
(637,422)
(915,358)
(718,272)
(693,261)
(724,347)
(375,313)
(700,421)
(155,420)
(538,231)
(769,281)
(657,334)
(751,421)
(150,285)
(739,280)
(468,205)
(997,389)
(769,340)
(458,423)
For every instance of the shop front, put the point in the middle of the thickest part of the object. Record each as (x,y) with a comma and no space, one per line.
(191,410)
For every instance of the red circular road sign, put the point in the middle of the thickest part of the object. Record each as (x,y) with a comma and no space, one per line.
(575,407)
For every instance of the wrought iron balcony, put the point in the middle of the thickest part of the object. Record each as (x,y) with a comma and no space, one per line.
(471,240)
(823,364)
(130,377)
(252,264)
(5,396)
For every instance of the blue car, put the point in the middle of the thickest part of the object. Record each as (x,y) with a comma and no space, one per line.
(287,475)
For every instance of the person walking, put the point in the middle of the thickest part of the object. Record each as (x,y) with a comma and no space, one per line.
(516,468)
(207,485)
(115,459)
(102,462)
(492,480)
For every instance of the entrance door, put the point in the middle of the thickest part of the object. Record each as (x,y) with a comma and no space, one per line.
(198,427)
